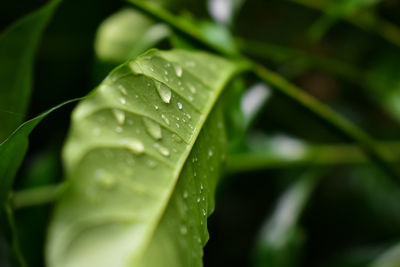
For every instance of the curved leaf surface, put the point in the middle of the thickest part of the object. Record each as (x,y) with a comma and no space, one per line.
(142,159)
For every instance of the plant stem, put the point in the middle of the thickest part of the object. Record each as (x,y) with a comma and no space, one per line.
(313,155)
(281,54)
(37,196)
(342,124)
(14,236)
(365,20)
(324,112)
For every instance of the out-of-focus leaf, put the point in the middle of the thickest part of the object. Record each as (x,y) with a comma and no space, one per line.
(224,11)
(17,49)
(335,11)
(281,238)
(143,159)
(13,149)
(127,34)
(383,83)
(390,258)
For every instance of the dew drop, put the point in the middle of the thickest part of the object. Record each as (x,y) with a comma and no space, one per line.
(103,179)
(192,88)
(185,195)
(165,72)
(164,92)
(190,98)
(177,125)
(210,153)
(165,119)
(119,115)
(155,107)
(122,100)
(204,212)
(179,105)
(105,87)
(122,89)
(183,230)
(163,150)
(178,70)
(201,187)
(118,129)
(134,145)
(198,200)
(177,138)
(153,128)
(151,69)
(151,163)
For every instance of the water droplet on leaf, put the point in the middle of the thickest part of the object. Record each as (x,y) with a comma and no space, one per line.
(119,115)
(153,128)
(133,145)
(164,92)
(178,70)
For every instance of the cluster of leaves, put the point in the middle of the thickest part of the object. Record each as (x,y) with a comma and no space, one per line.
(222,97)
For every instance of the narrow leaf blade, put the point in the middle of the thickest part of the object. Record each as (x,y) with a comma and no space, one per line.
(13,149)
(17,49)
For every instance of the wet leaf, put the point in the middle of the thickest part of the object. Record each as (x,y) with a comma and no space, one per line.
(143,159)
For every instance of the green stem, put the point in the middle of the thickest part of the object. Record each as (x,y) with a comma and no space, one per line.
(365,20)
(342,124)
(283,55)
(312,155)
(15,242)
(37,196)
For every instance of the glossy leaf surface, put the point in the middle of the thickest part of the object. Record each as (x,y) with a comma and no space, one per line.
(142,159)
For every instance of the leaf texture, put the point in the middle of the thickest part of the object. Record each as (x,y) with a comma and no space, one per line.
(143,159)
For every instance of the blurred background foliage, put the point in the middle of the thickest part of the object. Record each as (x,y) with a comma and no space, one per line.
(313,200)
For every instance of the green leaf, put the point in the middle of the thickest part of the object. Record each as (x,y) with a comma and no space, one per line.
(13,149)
(390,258)
(384,84)
(142,159)
(127,34)
(281,237)
(17,49)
